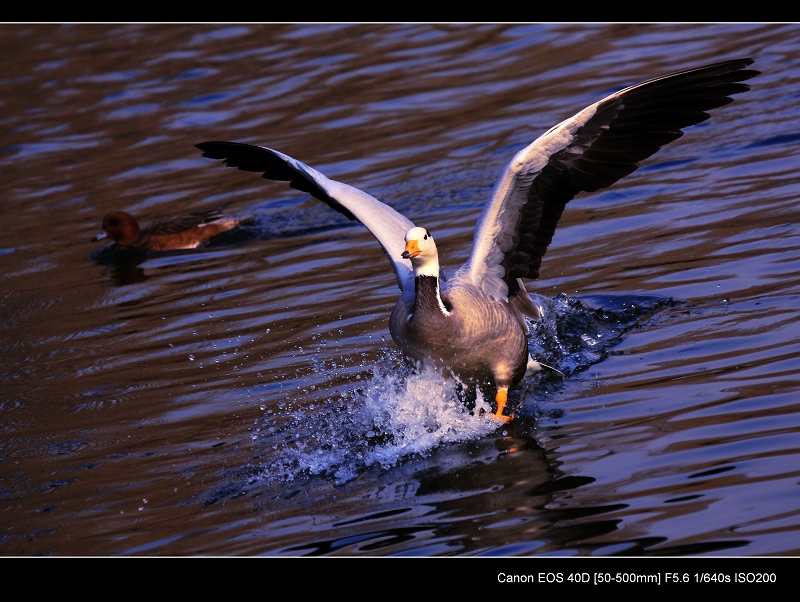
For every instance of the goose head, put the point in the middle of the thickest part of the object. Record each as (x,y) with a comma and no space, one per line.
(421,250)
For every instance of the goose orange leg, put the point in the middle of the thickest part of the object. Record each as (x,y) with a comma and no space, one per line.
(500,399)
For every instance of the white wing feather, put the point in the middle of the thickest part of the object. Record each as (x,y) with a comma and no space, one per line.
(386,224)
(497,223)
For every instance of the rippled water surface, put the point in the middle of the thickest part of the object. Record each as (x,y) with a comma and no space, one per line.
(245,398)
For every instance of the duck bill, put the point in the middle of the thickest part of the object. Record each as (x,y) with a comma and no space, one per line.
(100,236)
(412,249)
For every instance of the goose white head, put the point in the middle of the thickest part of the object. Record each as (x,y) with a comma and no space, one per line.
(421,250)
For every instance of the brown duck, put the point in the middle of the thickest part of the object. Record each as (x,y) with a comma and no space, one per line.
(166,234)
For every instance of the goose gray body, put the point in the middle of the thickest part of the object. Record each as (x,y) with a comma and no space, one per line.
(477,338)
(474,323)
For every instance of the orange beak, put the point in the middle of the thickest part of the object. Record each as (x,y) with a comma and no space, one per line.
(412,249)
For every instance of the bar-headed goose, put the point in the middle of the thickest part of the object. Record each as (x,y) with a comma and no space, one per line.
(474,322)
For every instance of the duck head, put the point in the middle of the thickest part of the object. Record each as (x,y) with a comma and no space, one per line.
(120,227)
(421,250)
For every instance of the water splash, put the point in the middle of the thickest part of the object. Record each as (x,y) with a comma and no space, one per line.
(398,412)
(394,414)
(573,336)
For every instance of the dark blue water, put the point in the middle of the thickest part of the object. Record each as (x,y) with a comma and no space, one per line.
(245,398)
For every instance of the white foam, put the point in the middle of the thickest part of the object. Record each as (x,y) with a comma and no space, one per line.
(395,414)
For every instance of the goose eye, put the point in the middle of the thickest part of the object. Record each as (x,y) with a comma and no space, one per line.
(425,237)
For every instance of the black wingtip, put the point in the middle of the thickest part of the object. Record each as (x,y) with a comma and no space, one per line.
(273,166)
(218,149)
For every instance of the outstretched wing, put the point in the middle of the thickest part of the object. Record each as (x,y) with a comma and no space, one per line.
(386,224)
(591,150)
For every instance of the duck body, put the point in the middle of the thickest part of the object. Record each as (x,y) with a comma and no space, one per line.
(465,339)
(178,232)
(474,324)
(455,326)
